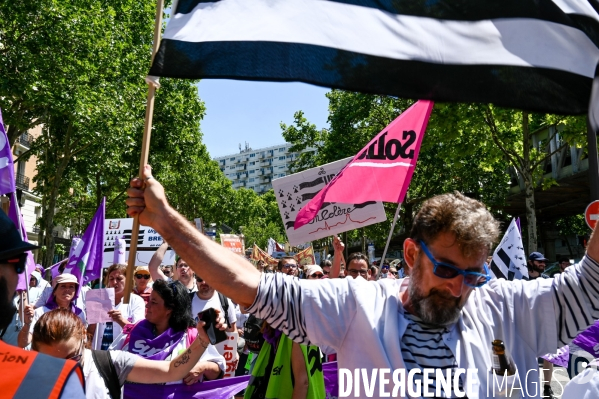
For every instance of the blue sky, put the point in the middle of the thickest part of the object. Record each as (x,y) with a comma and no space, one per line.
(240,111)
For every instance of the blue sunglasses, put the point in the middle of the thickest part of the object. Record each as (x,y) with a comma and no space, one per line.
(445,270)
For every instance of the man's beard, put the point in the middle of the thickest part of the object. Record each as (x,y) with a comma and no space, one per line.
(436,308)
(7,307)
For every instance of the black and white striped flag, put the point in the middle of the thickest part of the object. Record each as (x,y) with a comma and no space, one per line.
(509,259)
(538,55)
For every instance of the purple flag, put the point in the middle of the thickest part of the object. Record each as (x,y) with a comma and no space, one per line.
(74,243)
(589,339)
(331,379)
(86,260)
(54,269)
(561,358)
(218,389)
(14,213)
(7,168)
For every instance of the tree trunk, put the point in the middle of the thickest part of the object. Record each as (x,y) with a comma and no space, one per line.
(51,211)
(64,156)
(529,186)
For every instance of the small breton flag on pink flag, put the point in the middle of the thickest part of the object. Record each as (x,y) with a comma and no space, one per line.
(382,170)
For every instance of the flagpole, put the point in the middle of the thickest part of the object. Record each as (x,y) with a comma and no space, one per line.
(389,239)
(145,150)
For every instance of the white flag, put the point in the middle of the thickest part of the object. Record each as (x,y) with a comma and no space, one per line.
(509,260)
(272,246)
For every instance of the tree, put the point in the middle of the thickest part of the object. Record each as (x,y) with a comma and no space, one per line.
(456,153)
(76,68)
(512,131)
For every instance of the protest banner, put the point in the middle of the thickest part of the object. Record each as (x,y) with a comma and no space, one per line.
(295,191)
(148,242)
(259,255)
(228,349)
(306,257)
(217,389)
(232,242)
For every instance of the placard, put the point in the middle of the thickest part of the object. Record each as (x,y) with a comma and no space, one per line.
(148,242)
(232,242)
(295,191)
(98,303)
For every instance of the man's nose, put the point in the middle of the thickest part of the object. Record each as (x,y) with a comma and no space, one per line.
(456,285)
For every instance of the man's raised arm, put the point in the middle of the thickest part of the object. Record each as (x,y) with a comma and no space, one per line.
(222,269)
(154,265)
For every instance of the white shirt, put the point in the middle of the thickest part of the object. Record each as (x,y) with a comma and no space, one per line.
(134,311)
(363,321)
(199,305)
(95,387)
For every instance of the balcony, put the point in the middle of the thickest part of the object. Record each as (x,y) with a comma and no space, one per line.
(25,140)
(22,181)
(261,156)
(242,158)
(240,166)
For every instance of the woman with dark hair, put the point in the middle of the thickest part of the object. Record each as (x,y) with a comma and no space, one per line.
(168,330)
(61,334)
(64,289)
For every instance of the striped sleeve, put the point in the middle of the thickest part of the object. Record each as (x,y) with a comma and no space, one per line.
(278,302)
(576,299)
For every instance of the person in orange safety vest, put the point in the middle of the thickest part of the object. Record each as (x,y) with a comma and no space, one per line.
(25,374)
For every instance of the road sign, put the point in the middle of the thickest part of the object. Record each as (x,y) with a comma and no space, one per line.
(591,215)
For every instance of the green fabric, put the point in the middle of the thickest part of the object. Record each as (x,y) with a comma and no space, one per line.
(279,383)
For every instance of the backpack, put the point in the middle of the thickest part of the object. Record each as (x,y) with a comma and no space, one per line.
(224,304)
(252,333)
(107,370)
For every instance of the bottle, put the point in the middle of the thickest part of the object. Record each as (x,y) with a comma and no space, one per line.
(502,362)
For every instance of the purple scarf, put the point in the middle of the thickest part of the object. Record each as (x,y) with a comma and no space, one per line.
(272,336)
(142,341)
(51,304)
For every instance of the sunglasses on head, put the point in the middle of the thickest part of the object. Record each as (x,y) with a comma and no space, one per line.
(445,270)
(144,276)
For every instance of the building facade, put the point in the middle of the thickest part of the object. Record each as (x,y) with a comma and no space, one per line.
(29,202)
(256,169)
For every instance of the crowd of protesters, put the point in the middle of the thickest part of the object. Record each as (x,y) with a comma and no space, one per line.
(436,308)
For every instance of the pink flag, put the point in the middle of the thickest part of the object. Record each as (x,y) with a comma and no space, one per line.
(382,170)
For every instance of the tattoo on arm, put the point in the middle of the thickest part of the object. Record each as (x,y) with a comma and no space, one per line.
(184,358)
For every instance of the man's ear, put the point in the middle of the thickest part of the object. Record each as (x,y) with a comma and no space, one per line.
(410,251)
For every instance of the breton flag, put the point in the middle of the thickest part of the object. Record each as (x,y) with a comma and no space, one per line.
(538,55)
(382,170)
(509,260)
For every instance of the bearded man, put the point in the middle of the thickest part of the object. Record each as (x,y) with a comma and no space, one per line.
(445,316)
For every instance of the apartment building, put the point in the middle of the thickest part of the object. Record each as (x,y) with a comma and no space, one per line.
(256,169)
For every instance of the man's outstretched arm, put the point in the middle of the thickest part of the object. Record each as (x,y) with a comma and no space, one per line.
(222,269)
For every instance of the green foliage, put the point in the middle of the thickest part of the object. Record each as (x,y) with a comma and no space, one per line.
(572,226)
